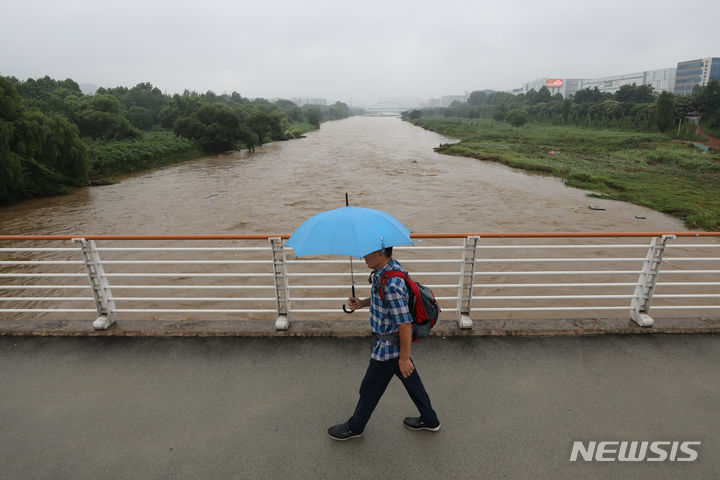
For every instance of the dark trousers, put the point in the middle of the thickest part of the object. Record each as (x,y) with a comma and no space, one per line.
(373,386)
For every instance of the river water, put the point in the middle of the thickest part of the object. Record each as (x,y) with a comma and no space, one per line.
(381,162)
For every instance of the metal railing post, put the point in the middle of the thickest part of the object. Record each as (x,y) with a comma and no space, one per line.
(642,297)
(98,283)
(465,287)
(282,292)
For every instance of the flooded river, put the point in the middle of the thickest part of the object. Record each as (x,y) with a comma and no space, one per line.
(382,162)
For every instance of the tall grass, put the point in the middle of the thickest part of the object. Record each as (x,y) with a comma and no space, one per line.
(642,168)
(154,149)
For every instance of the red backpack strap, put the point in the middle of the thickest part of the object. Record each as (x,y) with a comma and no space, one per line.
(390,274)
(419,307)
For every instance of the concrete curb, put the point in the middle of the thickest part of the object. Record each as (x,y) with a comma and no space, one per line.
(339,328)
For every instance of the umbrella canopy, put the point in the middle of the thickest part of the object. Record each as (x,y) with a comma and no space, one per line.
(351,231)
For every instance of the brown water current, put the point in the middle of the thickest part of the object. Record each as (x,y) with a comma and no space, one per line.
(381,162)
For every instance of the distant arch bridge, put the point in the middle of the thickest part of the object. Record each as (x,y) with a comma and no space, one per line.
(386,108)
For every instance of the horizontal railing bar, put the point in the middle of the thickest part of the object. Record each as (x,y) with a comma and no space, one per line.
(687,295)
(39,249)
(547,297)
(691,259)
(664,272)
(563,272)
(45,299)
(542,309)
(191,310)
(694,284)
(690,245)
(41,275)
(554,260)
(598,246)
(347,274)
(187,262)
(166,275)
(686,307)
(194,299)
(196,287)
(43,287)
(401,248)
(325,287)
(47,310)
(43,262)
(360,262)
(183,249)
(428,247)
(412,235)
(539,285)
(342,299)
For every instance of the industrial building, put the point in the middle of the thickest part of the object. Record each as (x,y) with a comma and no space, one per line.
(564,86)
(662,80)
(696,72)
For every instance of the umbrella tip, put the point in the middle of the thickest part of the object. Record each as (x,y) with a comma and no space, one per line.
(347,202)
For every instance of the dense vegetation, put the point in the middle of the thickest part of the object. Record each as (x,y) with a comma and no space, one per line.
(643,168)
(52,136)
(618,146)
(631,108)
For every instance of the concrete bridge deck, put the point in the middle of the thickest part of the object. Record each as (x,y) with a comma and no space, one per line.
(242,407)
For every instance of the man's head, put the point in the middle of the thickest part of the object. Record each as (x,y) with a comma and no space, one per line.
(379,258)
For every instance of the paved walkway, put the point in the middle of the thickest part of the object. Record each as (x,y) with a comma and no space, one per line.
(210,408)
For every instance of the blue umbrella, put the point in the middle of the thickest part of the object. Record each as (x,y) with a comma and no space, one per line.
(351,231)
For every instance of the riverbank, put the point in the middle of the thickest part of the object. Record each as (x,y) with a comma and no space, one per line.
(109,159)
(642,168)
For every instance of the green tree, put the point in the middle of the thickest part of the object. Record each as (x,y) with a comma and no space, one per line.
(635,94)
(707,99)
(264,125)
(588,95)
(516,117)
(140,117)
(215,126)
(102,120)
(477,97)
(11,110)
(313,116)
(40,153)
(665,111)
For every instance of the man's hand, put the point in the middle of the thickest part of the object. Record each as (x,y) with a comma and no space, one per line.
(356,303)
(406,367)
(405,364)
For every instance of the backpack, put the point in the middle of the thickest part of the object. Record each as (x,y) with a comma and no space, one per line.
(425,312)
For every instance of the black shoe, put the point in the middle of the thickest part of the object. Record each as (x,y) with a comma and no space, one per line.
(343,432)
(416,423)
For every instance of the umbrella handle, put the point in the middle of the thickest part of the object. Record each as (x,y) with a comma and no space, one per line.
(346,310)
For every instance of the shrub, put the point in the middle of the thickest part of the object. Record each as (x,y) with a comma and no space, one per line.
(517,117)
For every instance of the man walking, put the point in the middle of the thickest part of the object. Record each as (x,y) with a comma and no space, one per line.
(391,324)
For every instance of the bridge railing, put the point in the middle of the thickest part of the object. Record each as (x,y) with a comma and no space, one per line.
(256,277)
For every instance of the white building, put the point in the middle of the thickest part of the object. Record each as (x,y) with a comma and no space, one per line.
(301,102)
(564,86)
(662,80)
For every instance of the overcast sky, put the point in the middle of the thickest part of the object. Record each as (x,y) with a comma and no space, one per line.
(353,51)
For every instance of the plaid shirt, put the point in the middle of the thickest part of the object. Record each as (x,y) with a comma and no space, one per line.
(386,317)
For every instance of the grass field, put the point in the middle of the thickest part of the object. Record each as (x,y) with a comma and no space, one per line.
(643,168)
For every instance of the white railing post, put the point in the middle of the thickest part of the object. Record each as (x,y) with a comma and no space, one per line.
(98,283)
(465,287)
(642,297)
(282,292)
